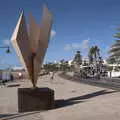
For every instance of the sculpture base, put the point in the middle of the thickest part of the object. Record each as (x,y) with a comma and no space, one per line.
(35,99)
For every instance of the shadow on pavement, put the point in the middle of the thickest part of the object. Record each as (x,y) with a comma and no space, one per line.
(6,115)
(12,116)
(75,100)
(99,83)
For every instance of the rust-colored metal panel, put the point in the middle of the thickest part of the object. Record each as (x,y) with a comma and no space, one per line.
(45,30)
(34,33)
(21,44)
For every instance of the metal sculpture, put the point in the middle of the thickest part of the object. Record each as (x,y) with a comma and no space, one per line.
(31,45)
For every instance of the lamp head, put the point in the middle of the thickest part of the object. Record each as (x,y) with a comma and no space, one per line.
(8,50)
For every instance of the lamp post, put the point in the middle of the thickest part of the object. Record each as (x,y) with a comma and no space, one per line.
(7,48)
(7,51)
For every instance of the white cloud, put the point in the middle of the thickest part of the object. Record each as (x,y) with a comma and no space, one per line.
(76,45)
(82,45)
(53,33)
(68,47)
(85,44)
(6,42)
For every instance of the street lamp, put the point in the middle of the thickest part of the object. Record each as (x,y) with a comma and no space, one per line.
(7,48)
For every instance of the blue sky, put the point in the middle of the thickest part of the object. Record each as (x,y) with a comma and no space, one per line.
(77,25)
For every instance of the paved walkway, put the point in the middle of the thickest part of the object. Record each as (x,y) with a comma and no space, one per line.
(74,101)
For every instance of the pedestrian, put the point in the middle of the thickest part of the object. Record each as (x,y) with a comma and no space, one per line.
(110,74)
(52,75)
(11,77)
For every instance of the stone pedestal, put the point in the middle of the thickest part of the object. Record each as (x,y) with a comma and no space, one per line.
(35,99)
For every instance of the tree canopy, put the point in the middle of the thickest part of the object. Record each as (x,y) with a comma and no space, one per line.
(115,49)
(94,54)
(78,58)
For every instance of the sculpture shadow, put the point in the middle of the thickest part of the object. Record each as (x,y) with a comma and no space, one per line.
(59,104)
(6,115)
(75,100)
(19,115)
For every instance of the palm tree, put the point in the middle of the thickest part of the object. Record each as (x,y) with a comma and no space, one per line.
(91,54)
(78,58)
(97,52)
(115,48)
(94,54)
(64,66)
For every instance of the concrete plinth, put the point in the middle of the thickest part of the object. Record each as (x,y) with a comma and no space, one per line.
(35,99)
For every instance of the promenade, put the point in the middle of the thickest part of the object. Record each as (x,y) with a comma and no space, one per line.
(74,101)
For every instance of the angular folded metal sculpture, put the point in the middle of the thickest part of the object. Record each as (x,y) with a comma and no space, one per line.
(31,45)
